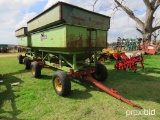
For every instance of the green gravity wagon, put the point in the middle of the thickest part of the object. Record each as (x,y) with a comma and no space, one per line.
(66,37)
(63,36)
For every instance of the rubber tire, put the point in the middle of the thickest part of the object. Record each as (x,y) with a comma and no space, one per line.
(65,82)
(101,72)
(101,59)
(20,59)
(54,59)
(37,69)
(27,63)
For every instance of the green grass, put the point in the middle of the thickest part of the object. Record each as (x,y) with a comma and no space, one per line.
(35,99)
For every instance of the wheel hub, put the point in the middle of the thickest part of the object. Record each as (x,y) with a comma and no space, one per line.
(57,83)
(33,71)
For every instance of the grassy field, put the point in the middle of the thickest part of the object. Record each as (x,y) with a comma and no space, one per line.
(35,99)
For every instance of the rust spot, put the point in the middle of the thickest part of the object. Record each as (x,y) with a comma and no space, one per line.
(93,22)
(56,65)
(80,21)
(77,18)
(74,41)
(101,41)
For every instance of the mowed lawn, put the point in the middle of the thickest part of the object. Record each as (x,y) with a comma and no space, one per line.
(35,99)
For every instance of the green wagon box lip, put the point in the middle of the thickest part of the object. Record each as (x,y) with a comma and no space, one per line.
(54,5)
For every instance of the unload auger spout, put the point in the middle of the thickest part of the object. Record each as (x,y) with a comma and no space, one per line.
(110,91)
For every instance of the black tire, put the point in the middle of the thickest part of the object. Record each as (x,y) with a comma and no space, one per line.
(101,73)
(20,59)
(101,59)
(54,59)
(27,63)
(35,69)
(61,83)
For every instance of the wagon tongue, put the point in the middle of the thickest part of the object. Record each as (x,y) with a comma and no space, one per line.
(112,92)
(138,106)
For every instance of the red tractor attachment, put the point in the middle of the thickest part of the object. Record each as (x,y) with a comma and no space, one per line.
(123,61)
(148,48)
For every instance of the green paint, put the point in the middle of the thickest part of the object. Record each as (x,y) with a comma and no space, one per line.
(49,38)
(68,38)
(47,18)
(24,41)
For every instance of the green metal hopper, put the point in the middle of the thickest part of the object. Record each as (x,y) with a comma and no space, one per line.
(68,14)
(69,38)
(23,37)
(64,27)
(69,32)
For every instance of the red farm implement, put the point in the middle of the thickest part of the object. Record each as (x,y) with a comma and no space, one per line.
(124,61)
(148,48)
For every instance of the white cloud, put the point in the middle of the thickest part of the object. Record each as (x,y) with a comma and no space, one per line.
(26,18)
(50,3)
(87,4)
(12,11)
(27,2)
(7,37)
(121,24)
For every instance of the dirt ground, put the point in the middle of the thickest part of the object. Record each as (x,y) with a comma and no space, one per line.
(8,54)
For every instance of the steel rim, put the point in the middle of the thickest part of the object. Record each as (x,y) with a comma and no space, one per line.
(57,83)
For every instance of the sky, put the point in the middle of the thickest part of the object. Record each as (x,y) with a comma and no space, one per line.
(16,13)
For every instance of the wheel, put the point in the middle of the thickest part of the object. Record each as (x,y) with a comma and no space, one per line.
(101,59)
(61,83)
(27,63)
(20,59)
(54,59)
(35,69)
(101,73)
